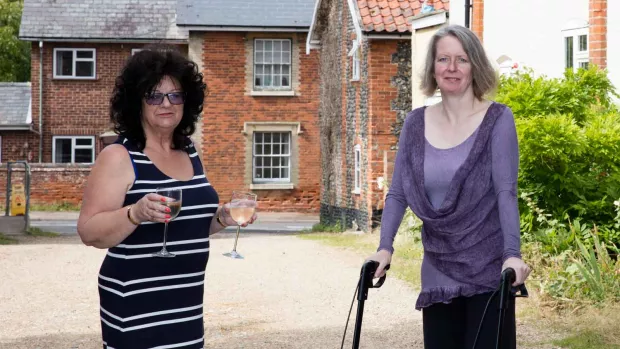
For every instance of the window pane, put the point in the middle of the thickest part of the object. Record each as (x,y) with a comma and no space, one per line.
(276,80)
(267,137)
(259,69)
(275,174)
(286,46)
(568,47)
(276,69)
(63,150)
(84,69)
(268,45)
(258,137)
(285,81)
(258,81)
(259,45)
(83,155)
(267,173)
(583,42)
(85,54)
(268,57)
(286,58)
(84,141)
(285,149)
(267,162)
(259,58)
(258,149)
(267,149)
(276,162)
(583,65)
(259,161)
(284,172)
(276,137)
(285,162)
(64,63)
(257,173)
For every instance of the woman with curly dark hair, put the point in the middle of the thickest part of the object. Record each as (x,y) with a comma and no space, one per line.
(147,301)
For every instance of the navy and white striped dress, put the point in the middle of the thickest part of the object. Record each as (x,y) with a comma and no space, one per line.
(151,302)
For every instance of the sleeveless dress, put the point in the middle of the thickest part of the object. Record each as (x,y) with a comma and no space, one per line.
(152,302)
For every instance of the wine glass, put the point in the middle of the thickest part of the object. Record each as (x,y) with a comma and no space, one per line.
(242,206)
(173,202)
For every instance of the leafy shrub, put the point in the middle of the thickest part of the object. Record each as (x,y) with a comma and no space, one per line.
(577,94)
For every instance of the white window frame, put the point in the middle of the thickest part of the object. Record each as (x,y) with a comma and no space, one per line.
(357,155)
(74,147)
(579,56)
(75,59)
(290,66)
(256,180)
(135,50)
(355,54)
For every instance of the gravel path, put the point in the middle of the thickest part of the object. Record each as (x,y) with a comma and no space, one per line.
(287,293)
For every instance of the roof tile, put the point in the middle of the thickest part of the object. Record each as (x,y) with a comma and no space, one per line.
(98,19)
(393,15)
(15,105)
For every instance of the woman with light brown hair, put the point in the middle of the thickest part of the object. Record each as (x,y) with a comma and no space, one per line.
(456,168)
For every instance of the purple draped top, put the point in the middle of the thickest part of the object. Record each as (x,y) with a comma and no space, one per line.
(466,197)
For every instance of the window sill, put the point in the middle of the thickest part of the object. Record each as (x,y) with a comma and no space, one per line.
(74,78)
(273,93)
(272,186)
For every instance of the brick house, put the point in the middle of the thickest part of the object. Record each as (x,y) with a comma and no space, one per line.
(79,47)
(260,126)
(16,129)
(366,92)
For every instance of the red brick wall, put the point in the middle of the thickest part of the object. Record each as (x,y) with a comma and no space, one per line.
(18,145)
(381,70)
(227,108)
(49,184)
(478,18)
(598,33)
(75,107)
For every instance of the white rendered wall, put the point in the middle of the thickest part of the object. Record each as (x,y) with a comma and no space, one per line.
(530,31)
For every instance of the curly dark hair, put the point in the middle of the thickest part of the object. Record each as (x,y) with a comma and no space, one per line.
(140,76)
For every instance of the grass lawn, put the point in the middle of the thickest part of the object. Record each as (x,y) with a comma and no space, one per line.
(33,231)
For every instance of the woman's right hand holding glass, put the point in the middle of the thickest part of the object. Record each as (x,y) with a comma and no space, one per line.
(150,209)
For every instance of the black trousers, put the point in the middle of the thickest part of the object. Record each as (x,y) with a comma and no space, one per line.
(454,325)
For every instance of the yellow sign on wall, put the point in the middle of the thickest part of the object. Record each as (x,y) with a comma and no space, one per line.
(18,200)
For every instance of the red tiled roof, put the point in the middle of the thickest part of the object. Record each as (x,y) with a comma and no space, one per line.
(393,15)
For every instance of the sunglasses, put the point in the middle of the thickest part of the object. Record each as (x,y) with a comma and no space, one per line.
(157,98)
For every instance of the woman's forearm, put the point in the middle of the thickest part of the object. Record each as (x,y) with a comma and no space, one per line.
(106,229)
(215,226)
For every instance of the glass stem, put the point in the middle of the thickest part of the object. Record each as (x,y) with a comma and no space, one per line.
(165,236)
(236,238)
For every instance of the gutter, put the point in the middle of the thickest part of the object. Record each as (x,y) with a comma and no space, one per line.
(107,40)
(389,36)
(226,28)
(40,101)
(18,127)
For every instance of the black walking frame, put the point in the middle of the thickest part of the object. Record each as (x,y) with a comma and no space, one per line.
(505,290)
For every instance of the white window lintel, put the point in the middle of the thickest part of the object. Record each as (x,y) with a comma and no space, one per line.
(271,126)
